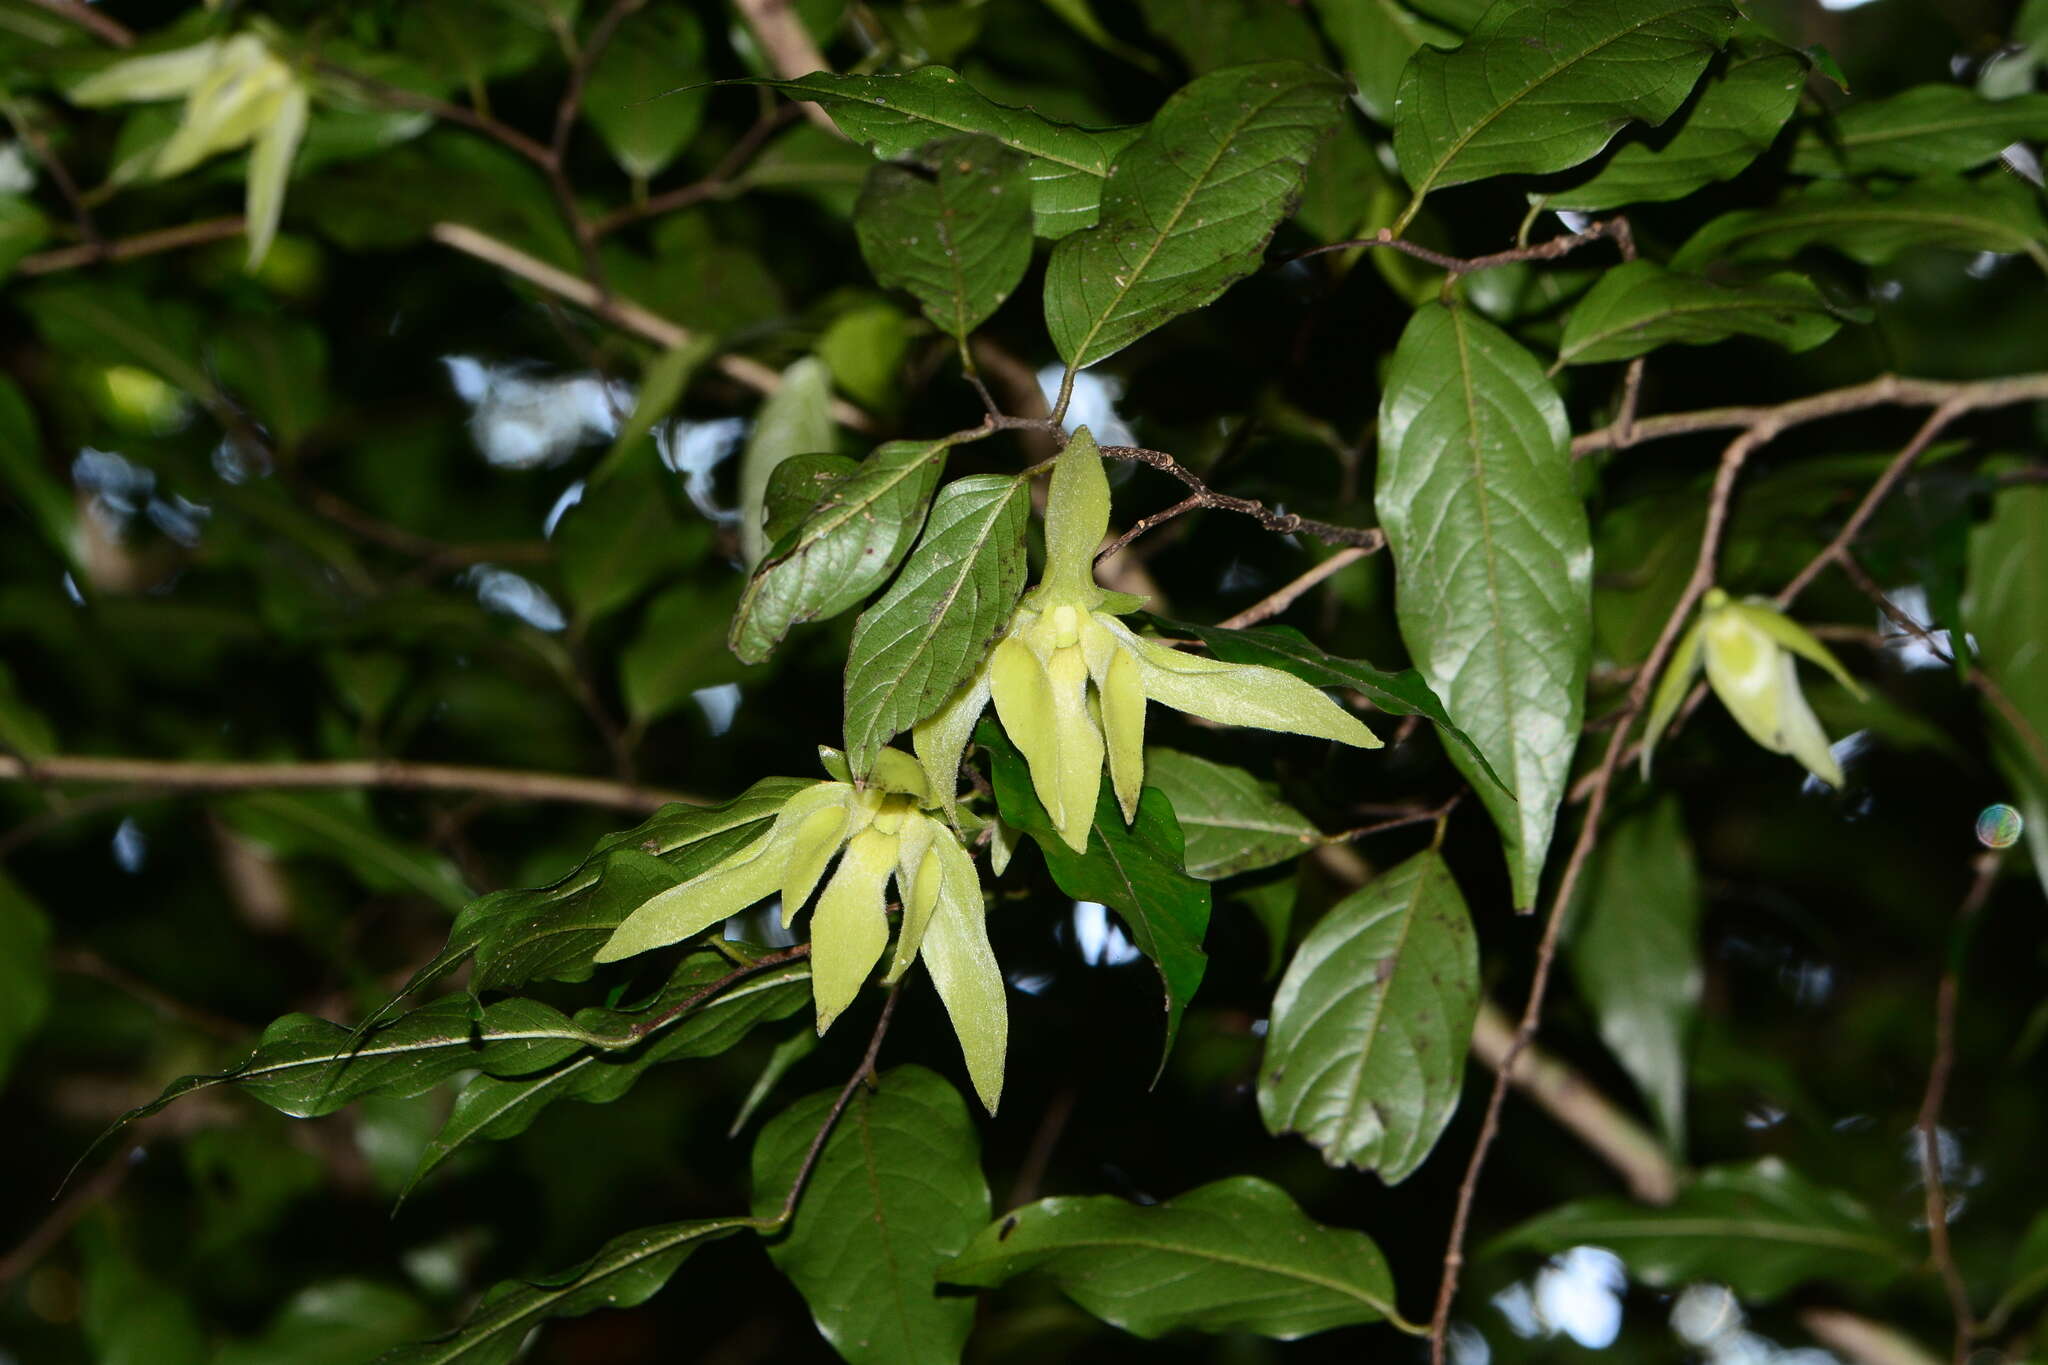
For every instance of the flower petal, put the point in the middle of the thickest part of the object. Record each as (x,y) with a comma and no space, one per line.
(1671,688)
(812,843)
(964,970)
(1799,732)
(1795,637)
(849,929)
(270,167)
(1759,684)
(1240,694)
(941,739)
(1076,520)
(158,76)
(917,886)
(1123,728)
(1023,697)
(897,771)
(236,99)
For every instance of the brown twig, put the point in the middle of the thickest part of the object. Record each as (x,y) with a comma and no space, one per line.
(1615,229)
(1285,596)
(718,181)
(1876,494)
(601,35)
(81,211)
(1031,1173)
(1860,1340)
(128,248)
(1285,523)
(441,109)
(108,30)
(393,774)
(1928,1124)
(860,1074)
(776,25)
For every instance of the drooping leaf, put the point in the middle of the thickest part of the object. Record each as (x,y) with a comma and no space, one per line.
(1376,38)
(1742,104)
(1366,1049)
(2001,213)
(1927,130)
(1639,306)
(1760,1228)
(931,630)
(1541,85)
(2005,611)
(1493,560)
(794,420)
(1636,954)
(954,230)
(897,1191)
(1287,649)
(896,115)
(644,96)
(1232,821)
(1189,206)
(1234,1256)
(843,551)
(627,1270)
(1138,870)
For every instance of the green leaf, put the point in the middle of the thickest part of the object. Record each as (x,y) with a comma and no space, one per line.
(1237,1255)
(1639,306)
(896,115)
(1927,130)
(1272,905)
(1287,649)
(1742,104)
(864,348)
(622,538)
(25,972)
(35,488)
(2029,1273)
(925,637)
(643,95)
(1366,1051)
(1232,821)
(1760,1228)
(1541,85)
(339,825)
(2001,213)
(129,1317)
(678,650)
(897,1191)
(661,387)
(781,1061)
(1214,33)
(334,1322)
(953,230)
(1636,954)
(627,1270)
(1492,559)
(1136,870)
(794,420)
(1189,207)
(2005,613)
(22,230)
(798,485)
(844,550)
(1376,38)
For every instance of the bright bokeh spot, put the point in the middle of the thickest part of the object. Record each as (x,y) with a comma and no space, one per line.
(1999,826)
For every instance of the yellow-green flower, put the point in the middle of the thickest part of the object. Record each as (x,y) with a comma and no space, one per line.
(1748,648)
(237,92)
(1070,681)
(878,831)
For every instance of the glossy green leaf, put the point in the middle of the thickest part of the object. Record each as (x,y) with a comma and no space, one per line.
(915,646)
(896,115)
(1927,130)
(2001,213)
(1760,1228)
(2005,611)
(624,537)
(1189,206)
(640,96)
(1231,820)
(953,229)
(1744,101)
(1541,85)
(627,1270)
(1639,306)
(897,1192)
(1136,870)
(25,970)
(1376,38)
(1492,559)
(1636,954)
(1213,33)
(1234,1256)
(1365,1054)
(798,485)
(1287,649)
(794,420)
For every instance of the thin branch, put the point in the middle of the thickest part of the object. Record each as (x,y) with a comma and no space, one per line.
(655,1024)
(601,35)
(1285,523)
(622,313)
(1928,1124)
(362,524)
(860,1074)
(780,31)
(716,183)
(128,248)
(108,30)
(441,109)
(1285,596)
(81,211)
(1053,1123)
(1876,494)
(1615,229)
(85,962)
(1860,1340)
(393,774)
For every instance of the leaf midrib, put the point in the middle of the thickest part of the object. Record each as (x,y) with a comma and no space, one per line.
(1749,305)
(1380,1306)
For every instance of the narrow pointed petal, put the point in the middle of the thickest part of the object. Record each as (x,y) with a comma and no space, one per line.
(1078,770)
(1076,520)
(1799,732)
(1796,638)
(233,102)
(159,76)
(1671,688)
(1241,694)
(681,912)
(1759,684)
(848,929)
(917,886)
(270,168)
(1123,728)
(941,740)
(1002,846)
(1022,693)
(964,970)
(812,844)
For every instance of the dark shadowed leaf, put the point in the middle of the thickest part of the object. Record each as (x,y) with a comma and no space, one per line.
(1231,820)
(954,229)
(1376,38)
(1493,560)
(2029,1273)
(896,1193)
(2005,610)
(25,970)
(638,96)
(339,825)
(334,1322)
(623,537)
(2001,213)
(1760,1228)
(1189,207)
(1371,1024)
(794,421)
(933,627)
(1928,130)
(1234,1256)
(1639,306)
(678,650)
(1213,33)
